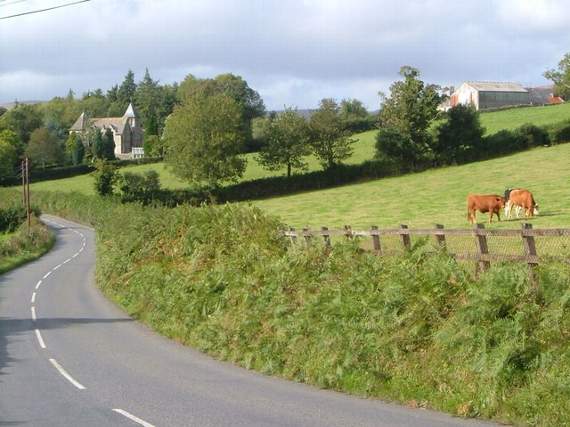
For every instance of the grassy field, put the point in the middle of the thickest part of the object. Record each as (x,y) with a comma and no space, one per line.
(436,196)
(513,118)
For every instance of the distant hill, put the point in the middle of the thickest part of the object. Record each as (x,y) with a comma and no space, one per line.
(9,105)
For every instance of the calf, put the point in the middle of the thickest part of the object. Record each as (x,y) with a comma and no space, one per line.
(492,203)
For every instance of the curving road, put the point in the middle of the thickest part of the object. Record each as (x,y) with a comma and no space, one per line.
(68,357)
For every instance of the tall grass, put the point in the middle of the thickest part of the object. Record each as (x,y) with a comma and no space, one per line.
(19,247)
(418,329)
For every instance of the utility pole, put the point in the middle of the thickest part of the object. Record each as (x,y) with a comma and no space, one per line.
(28,194)
(26,191)
(24,197)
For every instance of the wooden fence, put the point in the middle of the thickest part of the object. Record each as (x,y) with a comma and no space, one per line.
(462,244)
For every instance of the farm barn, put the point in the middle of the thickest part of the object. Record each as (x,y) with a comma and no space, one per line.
(486,95)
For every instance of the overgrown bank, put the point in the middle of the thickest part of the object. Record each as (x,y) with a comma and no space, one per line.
(418,330)
(16,245)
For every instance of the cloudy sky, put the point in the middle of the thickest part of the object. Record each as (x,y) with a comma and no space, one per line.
(293,52)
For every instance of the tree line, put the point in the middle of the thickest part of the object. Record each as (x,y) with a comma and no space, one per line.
(202,126)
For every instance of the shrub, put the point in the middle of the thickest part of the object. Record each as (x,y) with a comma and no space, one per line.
(502,142)
(11,217)
(399,148)
(560,133)
(533,136)
(459,138)
(105,178)
(136,187)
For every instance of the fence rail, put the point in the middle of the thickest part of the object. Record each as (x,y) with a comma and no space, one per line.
(479,245)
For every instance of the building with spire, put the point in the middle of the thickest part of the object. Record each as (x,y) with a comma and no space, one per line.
(127,131)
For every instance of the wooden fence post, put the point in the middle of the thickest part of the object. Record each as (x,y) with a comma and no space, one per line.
(326,236)
(307,235)
(440,238)
(530,251)
(406,241)
(482,248)
(348,231)
(293,235)
(376,240)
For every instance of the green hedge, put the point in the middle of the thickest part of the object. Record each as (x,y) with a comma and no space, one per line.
(60,172)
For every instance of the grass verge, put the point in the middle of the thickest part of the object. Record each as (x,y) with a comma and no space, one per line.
(19,248)
(417,329)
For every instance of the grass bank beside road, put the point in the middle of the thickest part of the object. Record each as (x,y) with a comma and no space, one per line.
(417,329)
(18,247)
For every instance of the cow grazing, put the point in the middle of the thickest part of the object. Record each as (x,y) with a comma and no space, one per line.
(492,203)
(520,199)
(509,206)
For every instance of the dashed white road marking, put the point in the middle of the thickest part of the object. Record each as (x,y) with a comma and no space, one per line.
(34,318)
(66,375)
(133,418)
(33,300)
(67,260)
(46,275)
(38,284)
(56,267)
(40,339)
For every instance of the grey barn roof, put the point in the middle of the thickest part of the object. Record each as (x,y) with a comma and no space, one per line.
(497,87)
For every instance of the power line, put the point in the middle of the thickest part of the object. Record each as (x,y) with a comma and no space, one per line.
(3,3)
(44,10)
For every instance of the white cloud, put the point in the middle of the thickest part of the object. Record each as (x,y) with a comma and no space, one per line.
(293,52)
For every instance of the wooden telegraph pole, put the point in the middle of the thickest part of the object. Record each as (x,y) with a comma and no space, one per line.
(26,191)
(28,194)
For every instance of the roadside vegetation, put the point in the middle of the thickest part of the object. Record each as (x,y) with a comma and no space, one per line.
(16,245)
(418,329)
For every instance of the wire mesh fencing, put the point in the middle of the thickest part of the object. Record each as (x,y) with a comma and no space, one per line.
(479,245)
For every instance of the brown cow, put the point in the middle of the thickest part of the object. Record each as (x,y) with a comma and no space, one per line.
(492,203)
(523,199)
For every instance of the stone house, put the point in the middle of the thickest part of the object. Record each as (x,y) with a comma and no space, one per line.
(127,131)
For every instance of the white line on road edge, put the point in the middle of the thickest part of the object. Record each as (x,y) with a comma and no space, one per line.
(34,318)
(40,339)
(33,300)
(65,374)
(133,418)
(38,285)
(46,275)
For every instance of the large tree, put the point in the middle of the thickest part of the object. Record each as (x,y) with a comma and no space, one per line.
(560,76)
(249,101)
(22,119)
(203,139)
(127,90)
(331,143)
(108,147)
(354,115)
(44,148)
(459,137)
(287,141)
(74,149)
(410,110)
(9,148)
(148,101)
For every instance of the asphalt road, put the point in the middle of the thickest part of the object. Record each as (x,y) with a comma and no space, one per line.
(69,357)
